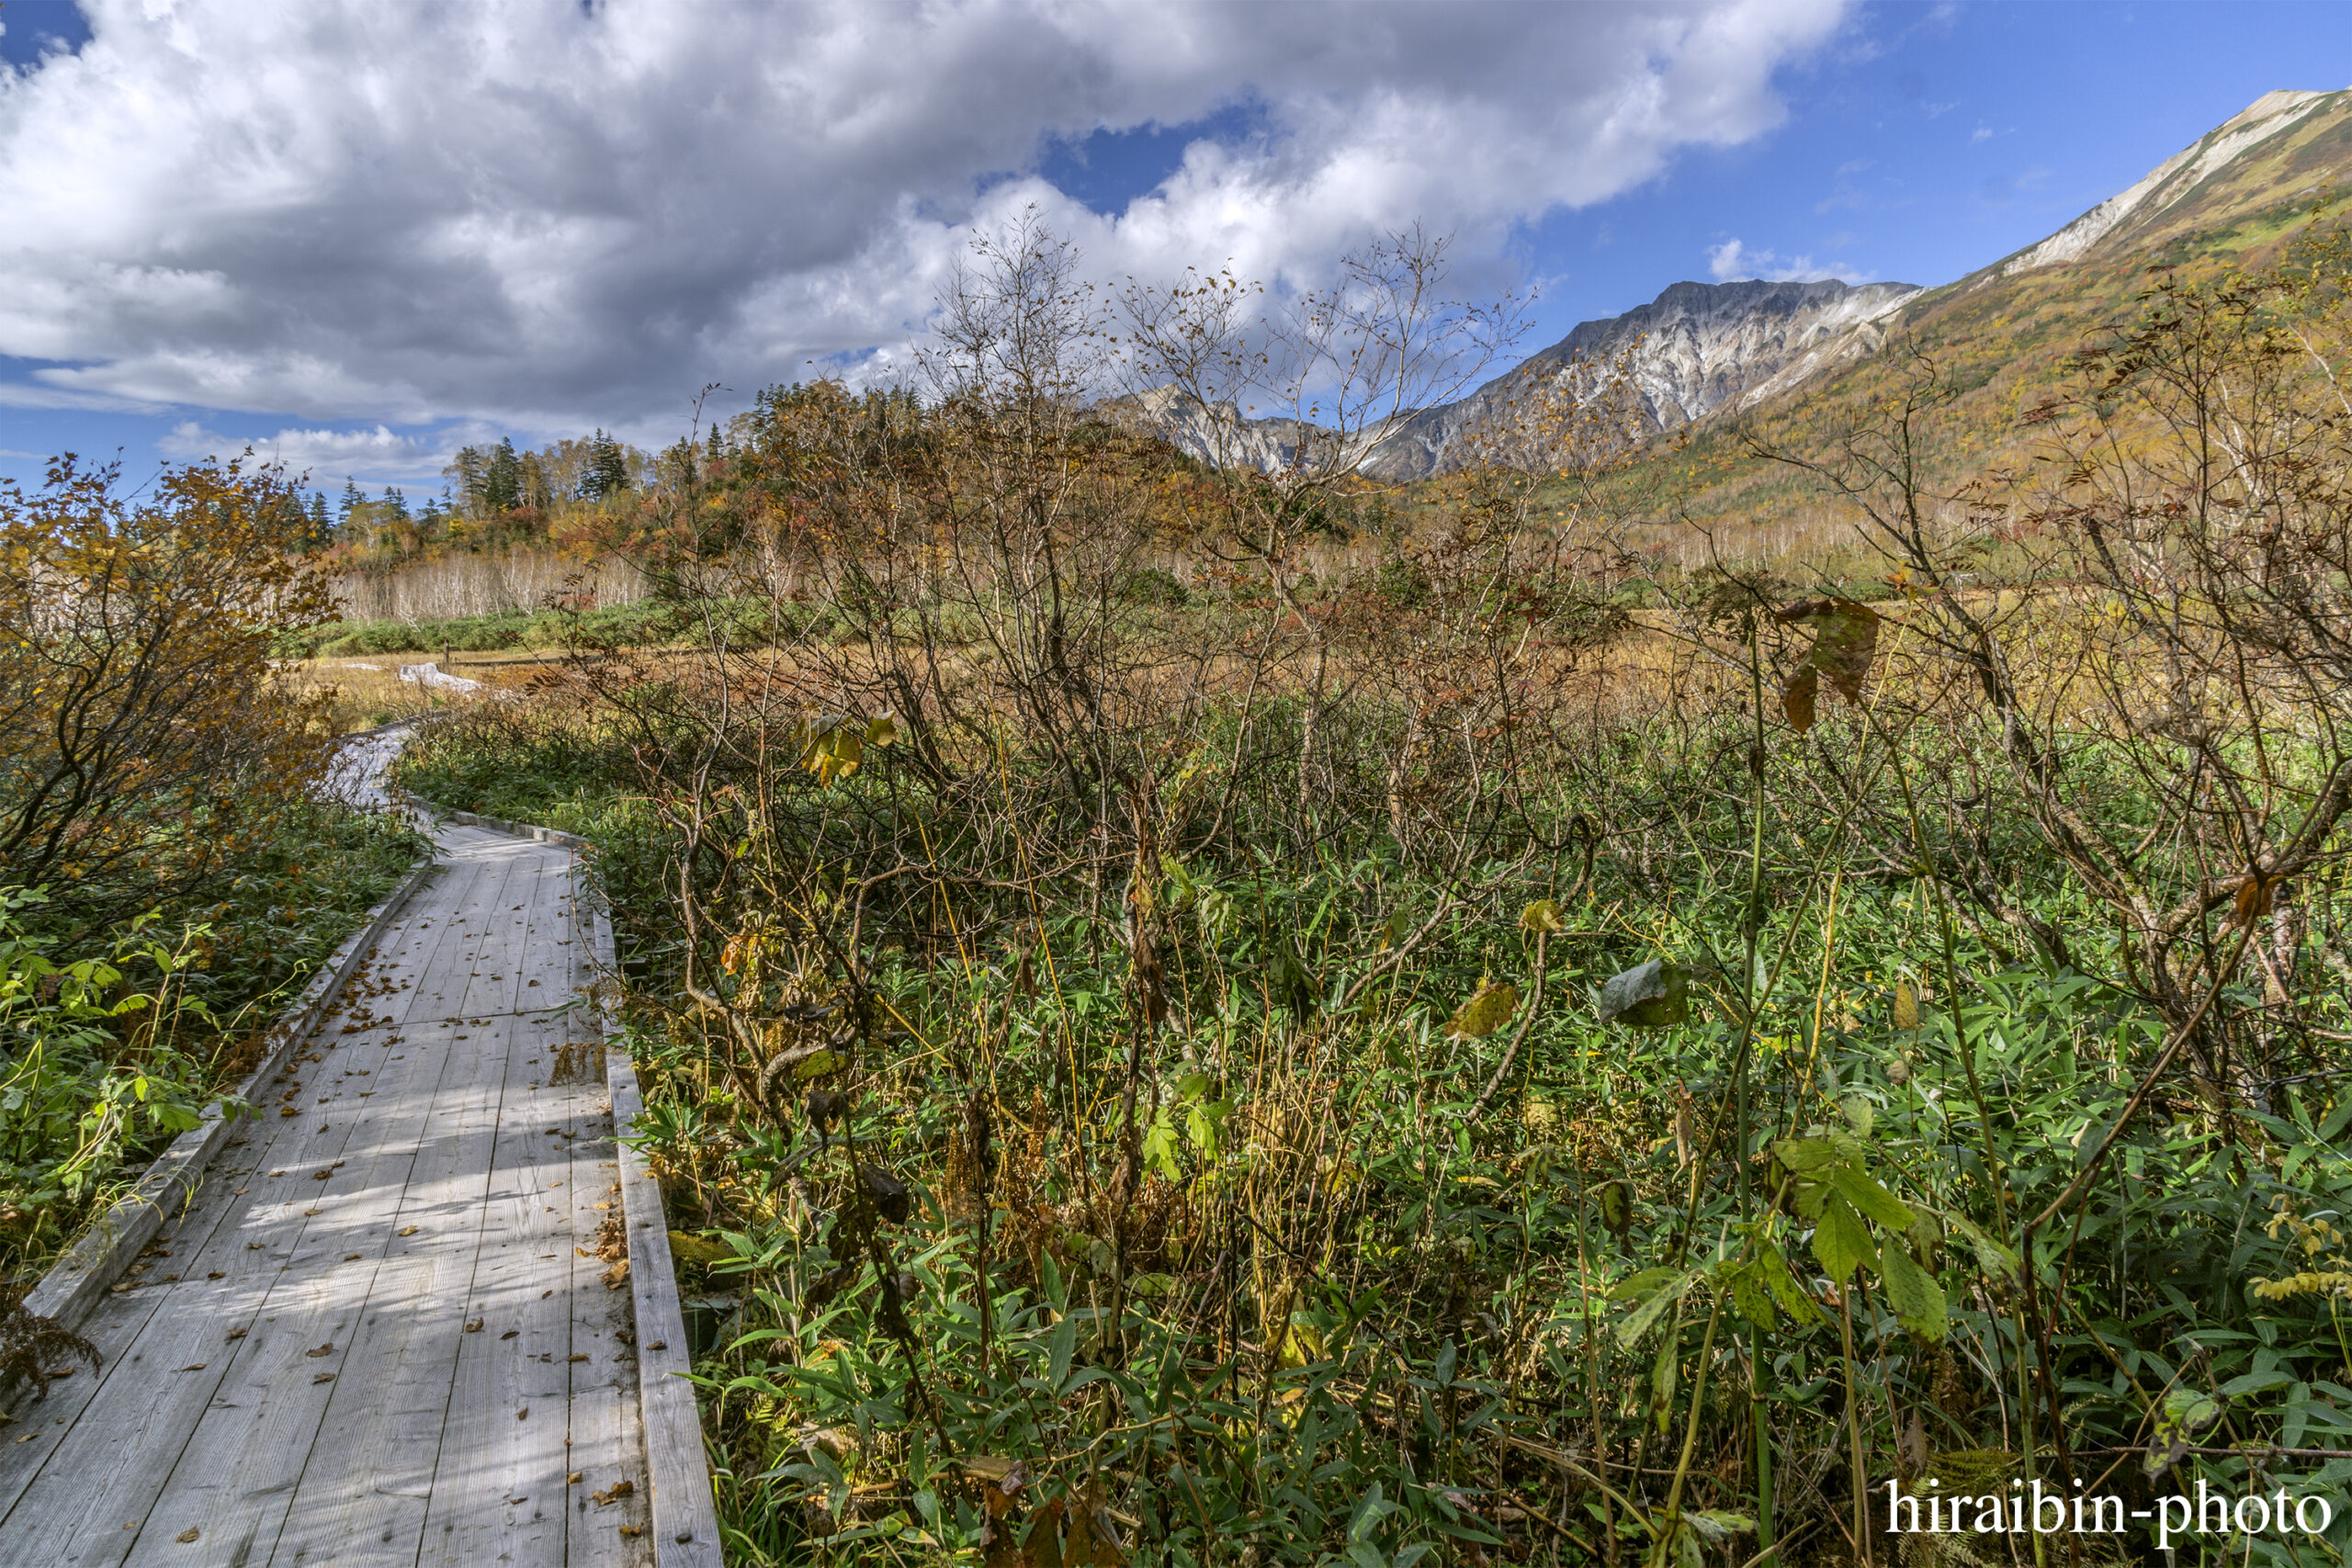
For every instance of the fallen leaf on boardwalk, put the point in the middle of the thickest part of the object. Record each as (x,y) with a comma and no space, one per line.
(510,1334)
(579,1355)
(28,1436)
(632,1529)
(615,1493)
(524,1414)
(216,1274)
(473,1326)
(407,1230)
(325,1349)
(352,1257)
(188,1535)
(193,1367)
(314,1211)
(573,1479)
(236,1333)
(322,1377)
(617,1276)
(287,1111)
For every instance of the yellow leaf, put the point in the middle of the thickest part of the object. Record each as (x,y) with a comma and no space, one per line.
(1906,1006)
(1485,1012)
(698,1250)
(1541,916)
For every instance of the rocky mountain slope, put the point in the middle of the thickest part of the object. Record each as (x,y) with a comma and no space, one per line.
(1703,351)
(2004,335)
(1696,349)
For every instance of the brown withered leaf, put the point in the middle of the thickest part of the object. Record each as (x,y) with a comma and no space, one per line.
(1845,640)
(1798,693)
(2253,900)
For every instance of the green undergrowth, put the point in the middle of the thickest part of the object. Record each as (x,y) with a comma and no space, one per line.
(648,622)
(113,1040)
(1359,1278)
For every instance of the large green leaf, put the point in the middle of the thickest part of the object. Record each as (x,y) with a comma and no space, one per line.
(1772,1270)
(1842,1242)
(1750,1299)
(1805,1156)
(1869,1199)
(1664,1375)
(1993,1257)
(1918,1299)
(1648,996)
(1656,1297)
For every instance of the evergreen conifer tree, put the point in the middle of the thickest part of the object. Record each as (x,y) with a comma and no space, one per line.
(502,483)
(607,467)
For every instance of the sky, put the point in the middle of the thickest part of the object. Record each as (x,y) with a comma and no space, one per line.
(355,236)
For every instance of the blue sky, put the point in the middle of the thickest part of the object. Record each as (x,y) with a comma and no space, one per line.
(357,316)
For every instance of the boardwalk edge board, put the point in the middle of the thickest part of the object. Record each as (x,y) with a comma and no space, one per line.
(73,1285)
(685,1516)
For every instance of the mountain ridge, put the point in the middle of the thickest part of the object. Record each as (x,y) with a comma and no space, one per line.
(1699,352)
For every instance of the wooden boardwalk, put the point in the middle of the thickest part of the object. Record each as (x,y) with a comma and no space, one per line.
(377,1336)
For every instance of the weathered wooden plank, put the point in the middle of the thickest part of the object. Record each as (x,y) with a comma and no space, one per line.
(607,1446)
(365,1494)
(362,1497)
(685,1517)
(499,1490)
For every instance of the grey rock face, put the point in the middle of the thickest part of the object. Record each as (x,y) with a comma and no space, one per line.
(1696,349)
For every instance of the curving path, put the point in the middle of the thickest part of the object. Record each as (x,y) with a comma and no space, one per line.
(378,1335)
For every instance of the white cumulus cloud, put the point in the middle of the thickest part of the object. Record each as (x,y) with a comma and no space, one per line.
(328,456)
(550,215)
(1732,261)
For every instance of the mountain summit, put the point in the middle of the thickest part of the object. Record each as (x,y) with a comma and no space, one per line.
(1696,349)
